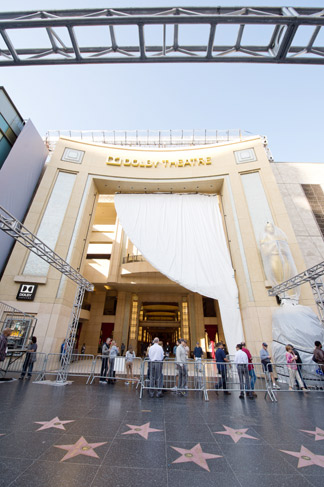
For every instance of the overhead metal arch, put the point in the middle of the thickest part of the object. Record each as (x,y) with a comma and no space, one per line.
(294,36)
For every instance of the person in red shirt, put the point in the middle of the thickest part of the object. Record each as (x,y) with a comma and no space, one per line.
(251,368)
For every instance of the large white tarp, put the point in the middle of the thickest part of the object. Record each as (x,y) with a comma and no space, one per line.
(298,326)
(182,236)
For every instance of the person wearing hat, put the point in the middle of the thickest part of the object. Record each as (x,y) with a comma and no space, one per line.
(266,362)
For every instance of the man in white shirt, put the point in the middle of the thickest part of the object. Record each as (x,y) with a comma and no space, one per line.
(156,356)
(241,360)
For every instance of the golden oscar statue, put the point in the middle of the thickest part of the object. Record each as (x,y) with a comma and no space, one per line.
(277,259)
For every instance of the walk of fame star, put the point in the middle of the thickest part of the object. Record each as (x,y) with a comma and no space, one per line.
(143,430)
(318,433)
(236,435)
(81,447)
(54,423)
(195,455)
(306,457)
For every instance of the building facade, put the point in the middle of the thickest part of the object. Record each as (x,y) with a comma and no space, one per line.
(73,212)
(22,158)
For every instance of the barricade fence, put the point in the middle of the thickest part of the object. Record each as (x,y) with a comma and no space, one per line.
(194,375)
(298,377)
(170,375)
(80,366)
(229,377)
(18,360)
(110,370)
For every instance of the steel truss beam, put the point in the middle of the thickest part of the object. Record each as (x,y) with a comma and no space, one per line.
(157,36)
(313,276)
(13,227)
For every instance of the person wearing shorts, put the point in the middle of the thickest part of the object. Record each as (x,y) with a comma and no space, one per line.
(129,359)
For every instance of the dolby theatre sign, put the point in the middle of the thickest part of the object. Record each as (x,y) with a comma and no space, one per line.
(27,292)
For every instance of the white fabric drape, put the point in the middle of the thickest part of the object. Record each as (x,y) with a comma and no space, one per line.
(182,236)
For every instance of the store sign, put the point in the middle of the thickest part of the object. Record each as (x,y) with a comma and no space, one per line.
(27,292)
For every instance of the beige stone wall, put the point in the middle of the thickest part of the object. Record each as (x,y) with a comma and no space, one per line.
(289,177)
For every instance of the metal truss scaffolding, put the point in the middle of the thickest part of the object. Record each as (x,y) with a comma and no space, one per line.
(11,226)
(313,276)
(288,35)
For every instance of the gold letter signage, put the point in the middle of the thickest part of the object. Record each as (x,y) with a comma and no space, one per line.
(118,161)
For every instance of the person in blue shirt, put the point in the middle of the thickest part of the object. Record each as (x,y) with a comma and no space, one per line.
(198,352)
(221,360)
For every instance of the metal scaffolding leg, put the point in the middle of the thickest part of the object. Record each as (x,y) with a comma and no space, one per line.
(317,286)
(313,276)
(13,227)
(70,335)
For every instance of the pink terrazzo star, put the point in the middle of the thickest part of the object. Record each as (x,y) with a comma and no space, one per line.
(235,434)
(81,447)
(195,455)
(306,457)
(143,430)
(54,423)
(318,433)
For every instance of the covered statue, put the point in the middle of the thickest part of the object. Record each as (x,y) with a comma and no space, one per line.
(278,262)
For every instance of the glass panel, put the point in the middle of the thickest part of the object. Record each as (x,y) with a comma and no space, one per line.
(5,148)
(10,114)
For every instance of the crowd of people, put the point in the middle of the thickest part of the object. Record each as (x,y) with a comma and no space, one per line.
(156,353)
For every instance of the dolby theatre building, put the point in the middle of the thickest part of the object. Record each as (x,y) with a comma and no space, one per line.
(170,237)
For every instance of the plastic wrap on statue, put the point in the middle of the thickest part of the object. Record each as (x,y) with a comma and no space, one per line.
(298,326)
(277,259)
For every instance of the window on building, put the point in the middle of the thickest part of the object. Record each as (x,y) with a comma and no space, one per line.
(209,308)
(110,304)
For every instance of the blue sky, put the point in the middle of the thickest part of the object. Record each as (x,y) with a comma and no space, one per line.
(286,103)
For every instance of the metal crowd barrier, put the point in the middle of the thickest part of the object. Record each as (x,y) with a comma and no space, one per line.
(100,370)
(169,375)
(311,377)
(195,375)
(225,377)
(15,359)
(80,366)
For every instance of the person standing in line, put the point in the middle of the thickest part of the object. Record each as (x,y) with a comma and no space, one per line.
(292,369)
(318,355)
(167,350)
(221,360)
(30,359)
(83,349)
(266,362)
(129,359)
(241,360)
(156,356)
(299,364)
(175,348)
(122,349)
(175,388)
(4,343)
(251,368)
(113,352)
(187,349)
(198,355)
(182,366)
(198,352)
(104,364)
